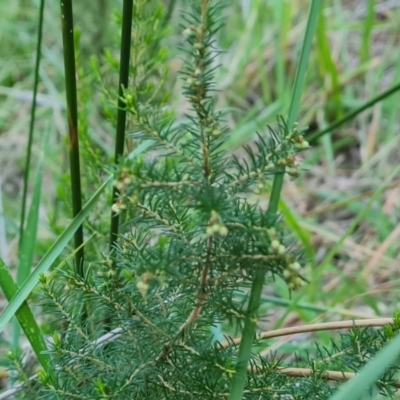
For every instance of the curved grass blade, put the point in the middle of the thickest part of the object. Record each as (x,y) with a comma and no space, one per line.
(31,123)
(26,319)
(253,121)
(27,248)
(292,221)
(49,258)
(368,375)
(315,136)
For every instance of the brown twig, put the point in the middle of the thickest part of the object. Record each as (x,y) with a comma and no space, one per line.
(202,295)
(327,375)
(326,326)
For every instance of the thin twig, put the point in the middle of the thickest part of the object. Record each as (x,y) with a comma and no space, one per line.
(202,295)
(295,372)
(326,326)
(327,375)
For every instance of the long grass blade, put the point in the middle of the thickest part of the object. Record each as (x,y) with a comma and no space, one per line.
(29,241)
(48,259)
(315,136)
(250,323)
(368,375)
(31,122)
(26,319)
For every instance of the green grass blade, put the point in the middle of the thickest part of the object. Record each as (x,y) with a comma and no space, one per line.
(292,221)
(170,10)
(328,65)
(29,241)
(31,123)
(329,76)
(254,121)
(279,301)
(313,137)
(313,286)
(356,387)
(282,14)
(48,259)
(26,319)
(366,36)
(239,379)
(29,238)
(302,67)
(361,215)
(296,96)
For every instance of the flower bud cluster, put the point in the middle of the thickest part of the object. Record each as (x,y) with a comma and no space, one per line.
(107,269)
(292,277)
(291,271)
(213,130)
(211,126)
(296,139)
(118,207)
(124,180)
(194,34)
(284,154)
(143,283)
(292,164)
(128,99)
(216,226)
(260,186)
(190,31)
(276,246)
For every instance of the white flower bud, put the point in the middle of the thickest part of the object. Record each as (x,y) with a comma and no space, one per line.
(223,230)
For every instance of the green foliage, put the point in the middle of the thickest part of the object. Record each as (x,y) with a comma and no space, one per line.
(193,240)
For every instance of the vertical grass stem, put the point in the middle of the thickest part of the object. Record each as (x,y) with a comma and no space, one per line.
(250,323)
(67,27)
(121,115)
